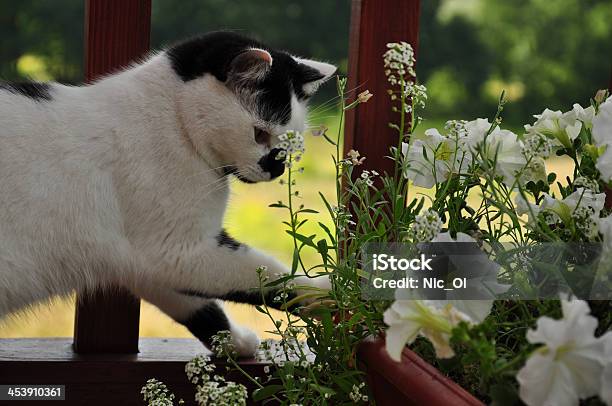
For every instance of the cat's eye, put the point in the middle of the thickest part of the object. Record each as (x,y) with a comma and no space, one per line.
(262,137)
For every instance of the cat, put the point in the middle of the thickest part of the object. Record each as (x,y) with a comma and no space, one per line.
(124,182)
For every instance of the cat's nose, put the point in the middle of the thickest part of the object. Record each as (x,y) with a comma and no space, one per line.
(269,163)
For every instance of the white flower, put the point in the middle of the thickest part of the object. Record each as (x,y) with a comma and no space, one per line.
(605,228)
(602,136)
(582,114)
(534,171)
(531,209)
(398,61)
(604,164)
(586,183)
(606,378)
(426,226)
(602,124)
(569,365)
(500,146)
(564,209)
(562,128)
(481,274)
(431,158)
(409,318)
(433,319)
(476,130)
(581,198)
(537,146)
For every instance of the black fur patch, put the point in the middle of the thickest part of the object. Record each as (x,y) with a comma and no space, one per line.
(270,164)
(225,240)
(206,322)
(213,53)
(253,297)
(34,90)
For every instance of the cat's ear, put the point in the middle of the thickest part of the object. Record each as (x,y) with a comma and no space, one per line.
(251,65)
(314,74)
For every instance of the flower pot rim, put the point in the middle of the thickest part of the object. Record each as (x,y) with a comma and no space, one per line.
(419,381)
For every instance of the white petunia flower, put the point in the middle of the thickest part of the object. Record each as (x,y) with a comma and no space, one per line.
(481,274)
(562,128)
(605,228)
(408,319)
(564,209)
(580,198)
(500,146)
(602,136)
(531,209)
(606,378)
(568,367)
(579,113)
(604,164)
(429,159)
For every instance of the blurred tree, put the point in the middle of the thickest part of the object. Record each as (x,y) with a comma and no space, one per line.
(560,51)
(314,28)
(50,32)
(318,28)
(542,52)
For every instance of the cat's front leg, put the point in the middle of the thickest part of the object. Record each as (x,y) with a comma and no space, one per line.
(222,268)
(204,318)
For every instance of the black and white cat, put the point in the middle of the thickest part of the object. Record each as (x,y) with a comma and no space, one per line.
(125,181)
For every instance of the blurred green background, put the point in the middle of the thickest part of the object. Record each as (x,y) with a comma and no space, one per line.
(544,53)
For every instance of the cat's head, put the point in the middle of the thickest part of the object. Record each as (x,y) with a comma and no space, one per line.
(237,96)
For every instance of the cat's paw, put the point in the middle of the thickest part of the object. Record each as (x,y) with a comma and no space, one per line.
(245,341)
(312,288)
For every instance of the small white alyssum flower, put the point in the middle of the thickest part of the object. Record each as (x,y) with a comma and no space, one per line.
(292,146)
(570,364)
(398,61)
(426,226)
(367,177)
(537,146)
(156,393)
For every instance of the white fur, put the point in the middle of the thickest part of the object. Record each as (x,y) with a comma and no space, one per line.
(118,183)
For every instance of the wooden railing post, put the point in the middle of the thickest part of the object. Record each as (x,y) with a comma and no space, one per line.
(116,32)
(374,23)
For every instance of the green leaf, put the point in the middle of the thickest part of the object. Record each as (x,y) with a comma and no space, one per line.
(266,392)
(326,204)
(302,238)
(308,211)
(328,139)
(328,232)
(323,389)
